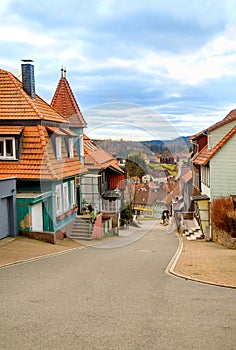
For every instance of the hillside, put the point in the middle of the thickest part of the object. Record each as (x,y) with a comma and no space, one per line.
(122,149)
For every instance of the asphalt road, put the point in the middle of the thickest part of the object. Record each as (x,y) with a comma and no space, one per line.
(117,299)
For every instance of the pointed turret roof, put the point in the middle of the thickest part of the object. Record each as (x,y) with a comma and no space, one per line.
(65,103)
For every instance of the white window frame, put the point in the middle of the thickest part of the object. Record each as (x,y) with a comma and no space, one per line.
(71,147)
(81,145)
(205,174)
(5,156)
(72,193)
(58,147)
(65,196)
(58,199)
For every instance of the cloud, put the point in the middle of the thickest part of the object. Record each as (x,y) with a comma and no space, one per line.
(174,58)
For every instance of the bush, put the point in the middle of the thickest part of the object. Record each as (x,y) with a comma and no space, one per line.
(231,222)
(223,214)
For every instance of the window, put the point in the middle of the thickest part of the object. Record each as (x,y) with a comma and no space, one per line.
(205,174)
(58,147)
(72,192)
(58,199)
(7,148)
(65,196)
(71,147)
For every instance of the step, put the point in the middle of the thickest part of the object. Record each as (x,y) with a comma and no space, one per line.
(82,238)
(82,232)
(75,234)
(80,227)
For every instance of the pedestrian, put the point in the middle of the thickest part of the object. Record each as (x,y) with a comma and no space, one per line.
(163,217)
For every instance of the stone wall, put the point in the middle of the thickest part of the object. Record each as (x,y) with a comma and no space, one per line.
(223,238)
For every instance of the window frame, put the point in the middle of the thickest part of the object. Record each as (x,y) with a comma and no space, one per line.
(65,196)
(72,193)
(4,156)
(58,199)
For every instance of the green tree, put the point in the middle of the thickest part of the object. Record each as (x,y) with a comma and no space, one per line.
(136,166)
(126,215)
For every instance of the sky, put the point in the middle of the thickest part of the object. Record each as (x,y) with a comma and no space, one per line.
(140,70)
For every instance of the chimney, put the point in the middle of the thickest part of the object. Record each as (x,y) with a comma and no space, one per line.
(28,84)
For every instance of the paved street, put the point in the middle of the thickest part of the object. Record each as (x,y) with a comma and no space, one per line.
(118,298)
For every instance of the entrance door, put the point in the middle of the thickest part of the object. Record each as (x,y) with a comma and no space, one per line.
(4,218)
(37,217)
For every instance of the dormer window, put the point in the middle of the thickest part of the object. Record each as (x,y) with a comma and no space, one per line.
(58,135)
(7,148)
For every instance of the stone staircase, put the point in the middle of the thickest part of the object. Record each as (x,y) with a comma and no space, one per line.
(82,228)
(192,230)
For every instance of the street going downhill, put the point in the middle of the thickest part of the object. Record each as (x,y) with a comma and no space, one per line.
(118,298)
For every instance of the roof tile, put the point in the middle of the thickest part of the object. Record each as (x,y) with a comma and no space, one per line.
(65,103)
(16,104)
(38,160)
(205,155)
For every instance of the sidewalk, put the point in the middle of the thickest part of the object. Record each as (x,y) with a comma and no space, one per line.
(197,260)
(207,262)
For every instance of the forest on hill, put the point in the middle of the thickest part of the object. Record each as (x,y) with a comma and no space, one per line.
(123,149)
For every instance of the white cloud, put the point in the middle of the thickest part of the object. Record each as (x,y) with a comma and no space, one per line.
(17,34)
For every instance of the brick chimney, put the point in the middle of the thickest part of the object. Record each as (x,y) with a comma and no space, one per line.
(28,84)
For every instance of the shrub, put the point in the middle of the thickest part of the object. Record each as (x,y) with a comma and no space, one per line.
(223,214)
(231,222)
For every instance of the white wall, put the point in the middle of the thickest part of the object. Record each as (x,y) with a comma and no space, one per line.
(223,170)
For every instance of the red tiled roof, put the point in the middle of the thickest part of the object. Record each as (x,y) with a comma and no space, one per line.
(146,196)
(37,159)
(10,130)
(205,155)
(229,118)
(16,104)
(65,103)
(187,176)
(97,158)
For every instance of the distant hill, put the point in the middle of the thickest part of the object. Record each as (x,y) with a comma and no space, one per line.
(122,149)
(178,145)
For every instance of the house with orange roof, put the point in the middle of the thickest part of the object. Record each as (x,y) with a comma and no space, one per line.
(64,102)
(37,148)
(214,165)
(104,184)
(148,202)
(102,180)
